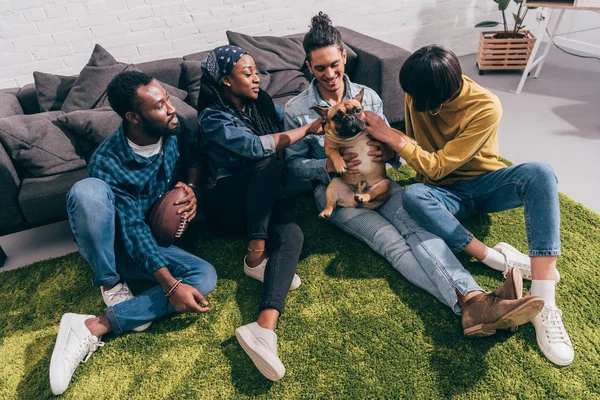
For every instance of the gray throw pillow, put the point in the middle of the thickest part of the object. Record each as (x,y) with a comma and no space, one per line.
(273,53)
(9,105)
(89,91)
(191,75)
(284,83)
(94,126)
(52,90)
(38,146)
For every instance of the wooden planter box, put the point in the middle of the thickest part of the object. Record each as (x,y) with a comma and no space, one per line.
(498,54)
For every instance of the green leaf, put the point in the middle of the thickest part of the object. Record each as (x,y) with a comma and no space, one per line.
(487,24)
(503,4)
(517,19)
(518,1)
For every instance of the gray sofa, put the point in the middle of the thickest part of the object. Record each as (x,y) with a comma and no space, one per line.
(34,192)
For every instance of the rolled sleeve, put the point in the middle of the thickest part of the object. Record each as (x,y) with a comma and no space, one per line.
(268,144)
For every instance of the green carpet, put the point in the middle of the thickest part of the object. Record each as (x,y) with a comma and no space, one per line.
(355,329)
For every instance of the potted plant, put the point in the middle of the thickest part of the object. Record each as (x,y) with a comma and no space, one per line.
(507,49)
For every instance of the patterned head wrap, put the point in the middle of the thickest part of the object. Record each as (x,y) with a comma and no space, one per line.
(219,62)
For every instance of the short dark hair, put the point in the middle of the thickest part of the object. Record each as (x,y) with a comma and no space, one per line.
(122,91)
(321,34)
(431,75)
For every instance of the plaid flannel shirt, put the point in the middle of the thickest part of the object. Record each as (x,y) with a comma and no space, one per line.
(137,182)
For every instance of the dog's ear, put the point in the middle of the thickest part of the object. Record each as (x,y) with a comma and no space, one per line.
(359,96)
(322,111)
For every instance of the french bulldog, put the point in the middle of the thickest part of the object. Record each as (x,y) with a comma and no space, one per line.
(344,126)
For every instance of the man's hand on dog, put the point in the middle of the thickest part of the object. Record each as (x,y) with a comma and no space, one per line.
(350,159)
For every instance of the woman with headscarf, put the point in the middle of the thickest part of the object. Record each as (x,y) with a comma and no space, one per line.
(240,130)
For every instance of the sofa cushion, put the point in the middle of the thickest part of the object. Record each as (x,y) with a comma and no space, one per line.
(9,105)
(167,71)
(270,53)
(89,91)
(27,96)
(93,126)
(43,200)
(191,74)
(38,146)
(52,90)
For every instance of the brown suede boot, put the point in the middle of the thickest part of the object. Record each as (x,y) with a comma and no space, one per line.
(512,288)
(484,313)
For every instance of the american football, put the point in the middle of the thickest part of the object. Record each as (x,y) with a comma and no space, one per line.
(166,225)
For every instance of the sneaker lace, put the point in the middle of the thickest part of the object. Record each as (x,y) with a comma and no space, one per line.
(85,350)
(555,329)
(120,295)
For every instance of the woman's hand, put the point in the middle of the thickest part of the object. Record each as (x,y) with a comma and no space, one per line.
(316,127)
(381,153)
(379,130)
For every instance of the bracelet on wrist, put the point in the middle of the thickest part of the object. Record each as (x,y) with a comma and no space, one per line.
(194,188)
(173,288)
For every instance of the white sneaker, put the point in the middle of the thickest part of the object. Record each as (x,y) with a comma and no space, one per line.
(258,273)
(74,344)
(552,337)
(514,258)
(261,345)
(119,294)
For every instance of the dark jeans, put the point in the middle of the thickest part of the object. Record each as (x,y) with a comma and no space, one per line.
(247,202)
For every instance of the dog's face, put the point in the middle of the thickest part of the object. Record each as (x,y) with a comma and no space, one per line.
(346,119)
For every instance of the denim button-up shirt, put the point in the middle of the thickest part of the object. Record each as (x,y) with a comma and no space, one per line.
(137,182)
(227,142)
(306,159)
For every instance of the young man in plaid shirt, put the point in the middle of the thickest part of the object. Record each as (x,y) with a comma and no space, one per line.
(128,172)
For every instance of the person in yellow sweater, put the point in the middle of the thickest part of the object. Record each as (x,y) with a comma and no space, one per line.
(451,141)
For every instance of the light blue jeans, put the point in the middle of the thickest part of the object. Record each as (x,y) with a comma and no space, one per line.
(421,257)
(532,185)
(91,210)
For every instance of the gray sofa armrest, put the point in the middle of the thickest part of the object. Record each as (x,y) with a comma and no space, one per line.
(10,211)
(378,67)
(9,104)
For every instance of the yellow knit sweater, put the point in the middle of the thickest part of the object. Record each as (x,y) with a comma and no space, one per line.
(460,142)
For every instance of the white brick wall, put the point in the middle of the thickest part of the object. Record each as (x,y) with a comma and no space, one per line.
(57,36)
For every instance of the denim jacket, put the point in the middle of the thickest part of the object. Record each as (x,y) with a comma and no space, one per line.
(306,159)
(227,142)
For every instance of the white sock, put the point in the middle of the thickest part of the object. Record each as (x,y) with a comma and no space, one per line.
(494,259)
(545,290)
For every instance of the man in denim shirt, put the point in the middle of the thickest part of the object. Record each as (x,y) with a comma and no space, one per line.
(421,257)
(128,172)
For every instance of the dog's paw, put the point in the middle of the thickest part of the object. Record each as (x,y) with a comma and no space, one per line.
(326,213)
(340,167)
(362,199)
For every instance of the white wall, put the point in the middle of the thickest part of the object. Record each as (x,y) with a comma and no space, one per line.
(57,36)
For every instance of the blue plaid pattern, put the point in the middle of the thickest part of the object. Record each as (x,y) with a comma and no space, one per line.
(137,182)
